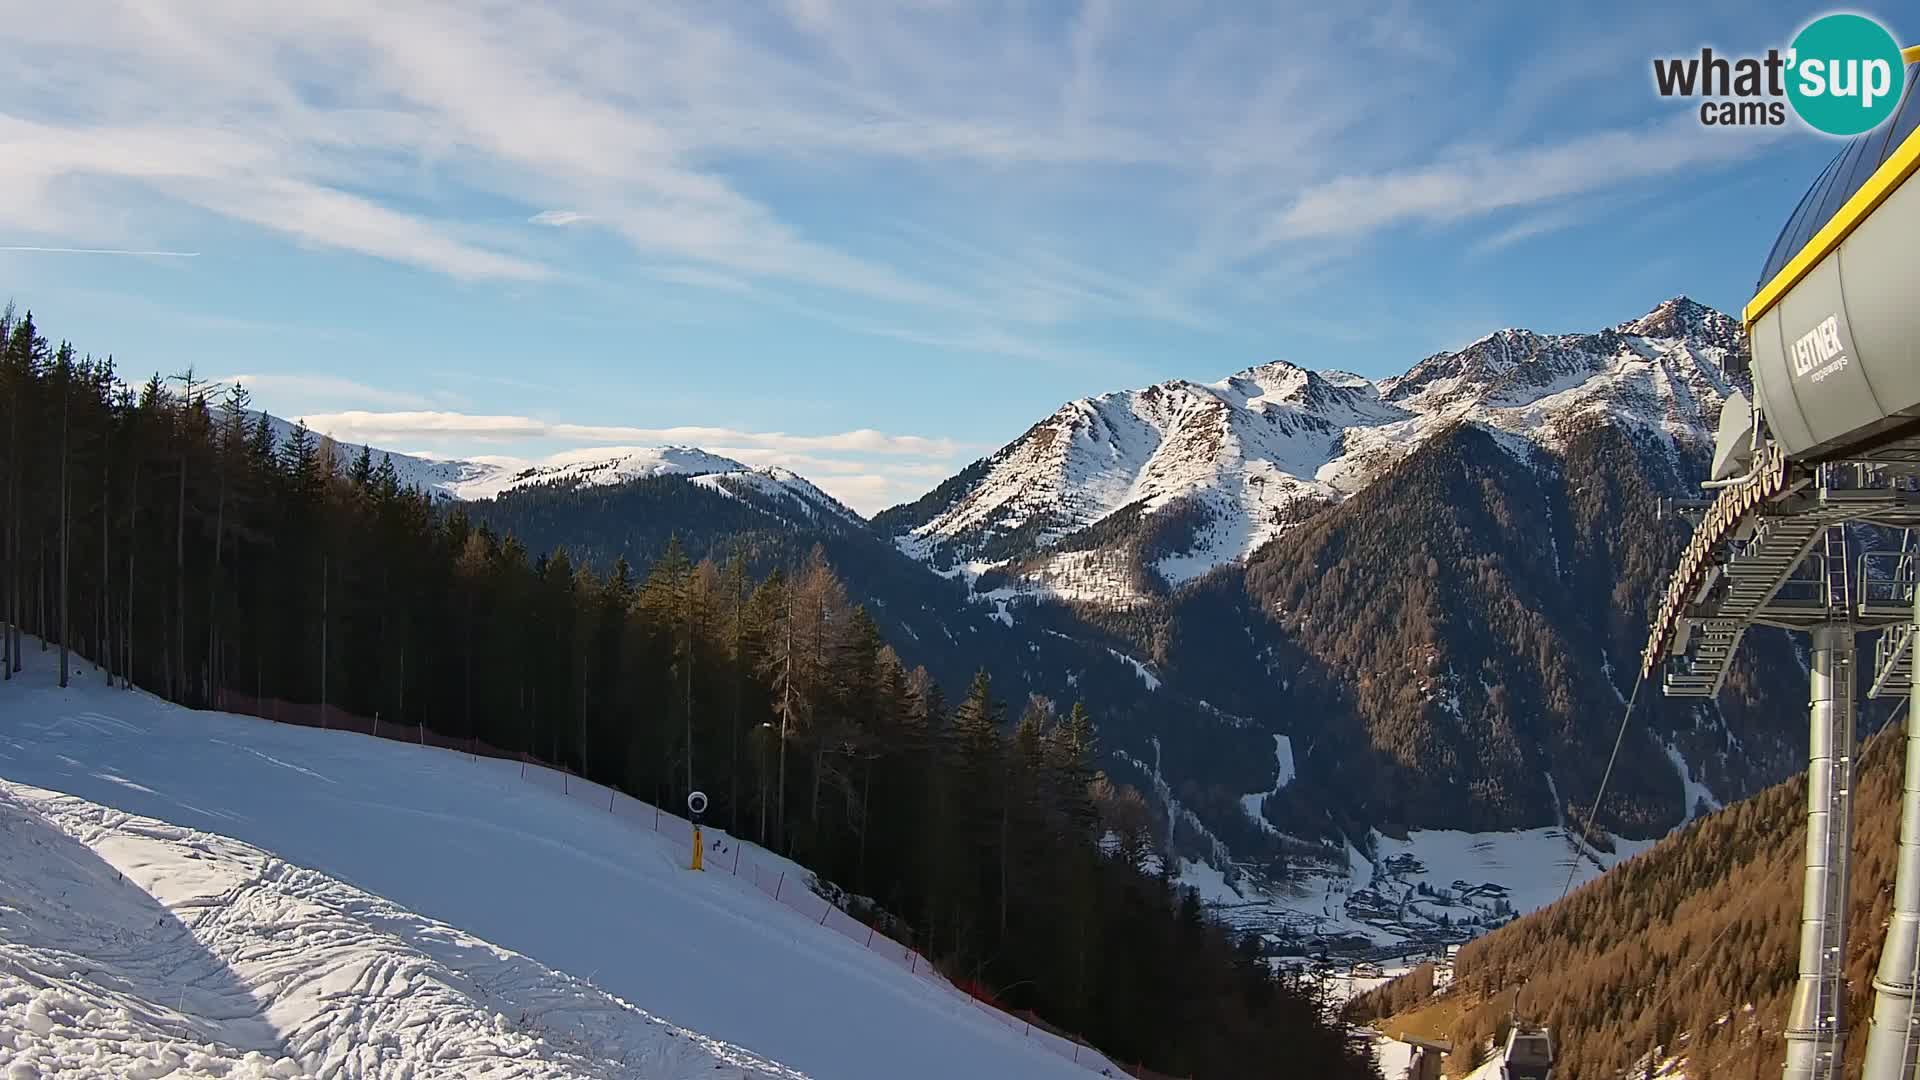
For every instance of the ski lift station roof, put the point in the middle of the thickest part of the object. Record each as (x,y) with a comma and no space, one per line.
(1833,325)
(1849,170)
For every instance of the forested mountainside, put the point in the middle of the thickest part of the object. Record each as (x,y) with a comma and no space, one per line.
(1455,643)
(1443,583)
(177,541)
(1688,950)
(1498,540)
(1210,755)
(1443,637)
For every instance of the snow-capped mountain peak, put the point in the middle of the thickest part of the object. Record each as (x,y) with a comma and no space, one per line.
(488,477)
(786,488)
(1281,383)
(1350,381)
(1191,475)
(595,466)
(1682,317)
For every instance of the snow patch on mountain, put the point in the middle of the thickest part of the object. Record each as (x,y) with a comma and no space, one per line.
(1235,456)
(1210,883)
(1181,477)
(783,486)
(487,477)
(1699,797)
(1283,760)
(595,467)
(1151,680)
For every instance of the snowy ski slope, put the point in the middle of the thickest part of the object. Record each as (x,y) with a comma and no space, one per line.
(134,948)
(444,899)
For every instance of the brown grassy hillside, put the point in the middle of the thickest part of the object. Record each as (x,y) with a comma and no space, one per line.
(1691,945)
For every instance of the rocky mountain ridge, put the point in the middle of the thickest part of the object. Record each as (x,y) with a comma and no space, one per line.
(1185,477)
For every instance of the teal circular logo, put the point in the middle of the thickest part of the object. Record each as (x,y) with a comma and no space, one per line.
(1845,74)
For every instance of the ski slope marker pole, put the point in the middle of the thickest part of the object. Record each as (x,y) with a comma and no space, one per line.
(697,805)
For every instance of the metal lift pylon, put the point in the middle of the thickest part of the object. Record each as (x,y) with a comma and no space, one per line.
(1891,1041)
(1831,443)
(1817,1022)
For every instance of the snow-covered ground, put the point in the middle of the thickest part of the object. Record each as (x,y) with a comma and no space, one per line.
(325,896)
(1346,984)
(1531,865)
(134,948)
(1392,1056)
(1699,797)
(1435,885)
(1283,775)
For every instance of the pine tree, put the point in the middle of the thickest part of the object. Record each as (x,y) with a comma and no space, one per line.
(362,596)
(63,367)
(361,476)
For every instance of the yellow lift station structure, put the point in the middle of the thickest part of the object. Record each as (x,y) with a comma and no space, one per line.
(1828,445)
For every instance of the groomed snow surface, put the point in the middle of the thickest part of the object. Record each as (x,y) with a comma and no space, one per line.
(139,949)
(198,894)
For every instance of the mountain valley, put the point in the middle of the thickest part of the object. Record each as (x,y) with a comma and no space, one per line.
(1429,588)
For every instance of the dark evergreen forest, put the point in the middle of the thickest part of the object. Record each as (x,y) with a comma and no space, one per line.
(161,533)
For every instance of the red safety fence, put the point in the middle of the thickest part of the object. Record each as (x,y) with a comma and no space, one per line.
(335,718)
(781,880)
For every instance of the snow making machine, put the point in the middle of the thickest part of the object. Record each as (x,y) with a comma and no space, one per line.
(1815,527)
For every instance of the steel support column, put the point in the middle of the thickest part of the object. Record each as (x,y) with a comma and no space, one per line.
(1891,1042)
(1816,1024)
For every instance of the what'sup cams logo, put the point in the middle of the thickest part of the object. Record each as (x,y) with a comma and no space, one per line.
(1842,75)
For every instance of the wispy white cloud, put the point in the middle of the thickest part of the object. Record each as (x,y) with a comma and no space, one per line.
(1204,150)
(360,425)
(868,484)
(229,174)
(1527,228)
(308,390)
(99,251)
(701,279)
(1504,179)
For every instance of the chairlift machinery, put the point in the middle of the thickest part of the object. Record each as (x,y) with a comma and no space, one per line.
(1528,1054)
(1829,442)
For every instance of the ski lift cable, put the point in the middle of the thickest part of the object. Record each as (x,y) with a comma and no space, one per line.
(1586,826)
(1573,864)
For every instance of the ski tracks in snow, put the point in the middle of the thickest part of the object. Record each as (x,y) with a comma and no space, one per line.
(134,948)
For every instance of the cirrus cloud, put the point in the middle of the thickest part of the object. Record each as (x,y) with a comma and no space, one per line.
(360,426)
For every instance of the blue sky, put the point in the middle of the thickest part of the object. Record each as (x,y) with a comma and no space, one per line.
(867,241)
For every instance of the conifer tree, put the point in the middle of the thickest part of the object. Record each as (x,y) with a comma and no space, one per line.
(234,566)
